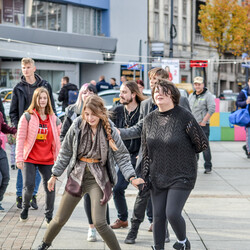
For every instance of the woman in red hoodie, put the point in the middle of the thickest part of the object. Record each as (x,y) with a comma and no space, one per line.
(37,145)
(4,166)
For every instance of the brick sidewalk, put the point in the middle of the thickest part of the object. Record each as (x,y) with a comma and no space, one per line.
(16,234)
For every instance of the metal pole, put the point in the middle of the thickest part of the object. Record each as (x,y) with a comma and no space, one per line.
(140,52)
(171,30)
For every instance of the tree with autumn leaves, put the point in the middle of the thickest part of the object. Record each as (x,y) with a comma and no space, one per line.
(224,24)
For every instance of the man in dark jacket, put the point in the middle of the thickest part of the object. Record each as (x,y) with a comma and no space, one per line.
(102,85)
(126,115)
(21,99)
(66,86)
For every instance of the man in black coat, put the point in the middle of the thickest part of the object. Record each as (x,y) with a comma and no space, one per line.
(66,86)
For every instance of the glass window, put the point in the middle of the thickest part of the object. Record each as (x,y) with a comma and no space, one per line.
(86,21)
(166,5)
(44,15)
(156,4)
(156,26)
(12,12)
(9,77)
(166,28)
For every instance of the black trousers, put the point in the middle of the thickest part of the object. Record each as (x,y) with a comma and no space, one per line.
(142,202)
(207,153)
(168,205)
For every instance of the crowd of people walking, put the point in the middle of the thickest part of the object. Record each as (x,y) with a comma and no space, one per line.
(140,141)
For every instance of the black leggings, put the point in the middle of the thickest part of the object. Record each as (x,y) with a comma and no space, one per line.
(87,207)
(168,204)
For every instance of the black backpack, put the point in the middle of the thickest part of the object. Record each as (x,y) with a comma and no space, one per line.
(72,96)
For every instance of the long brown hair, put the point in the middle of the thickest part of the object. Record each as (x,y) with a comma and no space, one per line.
(35,105)
(133,87)
(96,105)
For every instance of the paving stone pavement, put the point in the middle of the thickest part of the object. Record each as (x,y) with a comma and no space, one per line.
(217,212)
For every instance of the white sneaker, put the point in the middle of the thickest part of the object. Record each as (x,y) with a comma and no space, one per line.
(92,235)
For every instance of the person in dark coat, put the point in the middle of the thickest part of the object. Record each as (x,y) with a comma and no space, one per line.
(242,102)
(66,86)
(169,174)
(103,85)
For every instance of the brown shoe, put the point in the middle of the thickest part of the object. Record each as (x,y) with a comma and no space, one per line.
(119,223)
(150,229)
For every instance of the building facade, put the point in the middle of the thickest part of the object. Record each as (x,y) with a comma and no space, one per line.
(82,39)
(188,44)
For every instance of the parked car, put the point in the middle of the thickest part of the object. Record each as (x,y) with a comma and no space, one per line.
(7,100)
(4,91)
(228,95)
(7,97)
(111,97)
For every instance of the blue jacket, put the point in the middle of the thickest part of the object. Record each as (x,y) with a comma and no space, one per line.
(102,85)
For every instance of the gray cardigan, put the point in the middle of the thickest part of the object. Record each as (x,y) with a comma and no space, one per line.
(68,154)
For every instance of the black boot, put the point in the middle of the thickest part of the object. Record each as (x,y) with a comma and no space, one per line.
(180,246)
(24,214)
(132,234)
(43,246)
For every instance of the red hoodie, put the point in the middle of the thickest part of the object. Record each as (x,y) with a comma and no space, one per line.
(42,152)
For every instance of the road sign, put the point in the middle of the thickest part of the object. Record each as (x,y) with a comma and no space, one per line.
(198,63)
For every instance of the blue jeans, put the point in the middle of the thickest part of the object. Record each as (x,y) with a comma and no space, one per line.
(19,182)
(4,173)
(119,197)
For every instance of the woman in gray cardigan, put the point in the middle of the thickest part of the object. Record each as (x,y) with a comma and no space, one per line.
(90,150)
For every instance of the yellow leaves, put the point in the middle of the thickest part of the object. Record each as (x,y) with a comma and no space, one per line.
(225,25)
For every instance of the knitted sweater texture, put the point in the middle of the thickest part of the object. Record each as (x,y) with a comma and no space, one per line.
(170,141)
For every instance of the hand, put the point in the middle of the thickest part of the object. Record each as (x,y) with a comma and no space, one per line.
(137,181)
(203,124)
(20,165)
(248,100)
(51,183)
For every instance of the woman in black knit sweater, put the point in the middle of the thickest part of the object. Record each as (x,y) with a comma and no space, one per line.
(171,138)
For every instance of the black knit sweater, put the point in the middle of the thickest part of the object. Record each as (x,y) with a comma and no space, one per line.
(170,141)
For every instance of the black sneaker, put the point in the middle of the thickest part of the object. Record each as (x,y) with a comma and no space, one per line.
(182,246)
(24,214)
(43,246)
(33,202)
(48,220)
(207,171)
(245,149)
(19,202)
